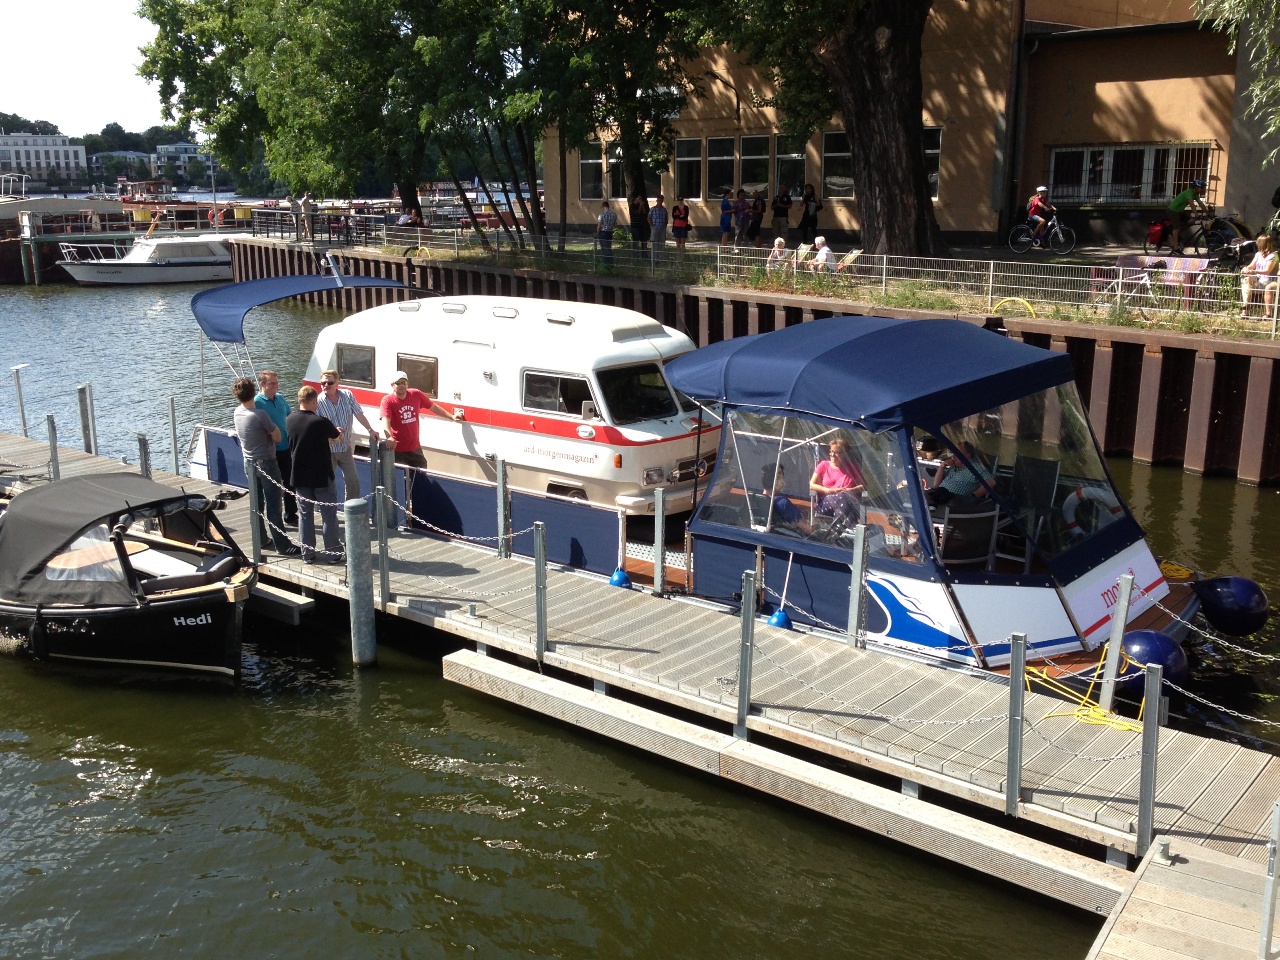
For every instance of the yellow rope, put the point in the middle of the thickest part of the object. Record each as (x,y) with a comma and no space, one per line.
(1087,709)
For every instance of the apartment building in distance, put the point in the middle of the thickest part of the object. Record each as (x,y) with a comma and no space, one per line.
(39,156)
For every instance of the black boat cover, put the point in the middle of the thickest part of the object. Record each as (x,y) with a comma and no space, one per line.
(41,522)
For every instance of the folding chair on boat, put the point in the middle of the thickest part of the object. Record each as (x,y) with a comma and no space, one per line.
(1032,490)
(968,536)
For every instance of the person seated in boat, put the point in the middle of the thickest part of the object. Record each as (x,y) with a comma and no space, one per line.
(954,479)
(837,482)
(786,517)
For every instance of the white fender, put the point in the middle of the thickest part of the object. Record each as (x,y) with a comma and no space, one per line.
(1078,496)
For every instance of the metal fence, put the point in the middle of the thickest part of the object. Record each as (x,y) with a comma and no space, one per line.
(1192,295)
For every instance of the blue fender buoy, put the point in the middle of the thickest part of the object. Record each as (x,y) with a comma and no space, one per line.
(620,579)
(781,619)
(1234,605)
(1152,646)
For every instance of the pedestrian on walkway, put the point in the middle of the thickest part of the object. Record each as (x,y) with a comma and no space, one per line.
(342,410)
(277,408)
(258,437)
(658,221)
(312,477)
(606,222)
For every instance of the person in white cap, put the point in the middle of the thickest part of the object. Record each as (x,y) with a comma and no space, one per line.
(400,409)
(1039,210)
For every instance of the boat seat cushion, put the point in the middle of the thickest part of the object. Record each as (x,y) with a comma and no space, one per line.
(211,569)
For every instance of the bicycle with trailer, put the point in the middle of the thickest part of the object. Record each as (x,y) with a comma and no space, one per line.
(1206,234)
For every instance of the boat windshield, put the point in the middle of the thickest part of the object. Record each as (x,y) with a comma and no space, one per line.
(813,480)
(91,556)
(635,393)
(1048,471)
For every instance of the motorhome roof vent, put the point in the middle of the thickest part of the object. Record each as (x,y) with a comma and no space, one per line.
(563,318)
(506,313)
(410,306)
(453,308)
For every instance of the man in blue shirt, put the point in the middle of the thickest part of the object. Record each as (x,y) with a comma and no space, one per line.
(277,408)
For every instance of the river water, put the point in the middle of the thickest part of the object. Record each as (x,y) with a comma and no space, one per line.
(317,811)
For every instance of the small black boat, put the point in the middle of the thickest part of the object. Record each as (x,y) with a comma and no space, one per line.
(118,569)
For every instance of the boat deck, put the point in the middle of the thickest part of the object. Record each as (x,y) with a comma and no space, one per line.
(871,710)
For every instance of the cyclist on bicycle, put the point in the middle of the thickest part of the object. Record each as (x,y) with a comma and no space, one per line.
(1039,209)
(1193,198)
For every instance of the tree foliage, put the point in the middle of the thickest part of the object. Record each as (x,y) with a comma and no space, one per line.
(1254,28)
(12,123)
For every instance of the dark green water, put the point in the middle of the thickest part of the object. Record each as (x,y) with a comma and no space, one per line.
(313,811)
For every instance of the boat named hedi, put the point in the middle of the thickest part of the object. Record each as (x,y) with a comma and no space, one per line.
(1033,537)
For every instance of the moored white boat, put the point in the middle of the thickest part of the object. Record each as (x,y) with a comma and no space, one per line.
(177,258)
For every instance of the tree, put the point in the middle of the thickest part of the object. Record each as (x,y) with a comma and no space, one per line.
(1255,25)
(197,172)
(862,59)
(12,123)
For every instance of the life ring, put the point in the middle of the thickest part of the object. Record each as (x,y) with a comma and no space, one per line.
(1099,495)
(219,215)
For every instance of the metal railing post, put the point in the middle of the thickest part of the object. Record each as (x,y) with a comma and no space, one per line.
(1150,747)
(884,274)
(659,541)
(54,472)
(540,588)
(17,388)
(364,638)
(504,510)
(1269,887)
(746,651)
(174,465)
(86,434)
(991,285)
(380,522)
(856,627)
(1017,698)
(1119,619)
(144,456)
(93,421)
(255,513)
(387,477)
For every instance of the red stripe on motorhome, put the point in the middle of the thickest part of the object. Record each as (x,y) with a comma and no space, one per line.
(523,422)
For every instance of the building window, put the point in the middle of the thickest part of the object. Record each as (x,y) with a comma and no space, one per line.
(754,164)
(591,172)
(790,163)
(689,169)
(1128,173)
(617,172)
(837,166)
(932,154)
(720,166)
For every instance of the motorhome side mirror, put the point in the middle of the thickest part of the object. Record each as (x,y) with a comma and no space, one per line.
(589,410)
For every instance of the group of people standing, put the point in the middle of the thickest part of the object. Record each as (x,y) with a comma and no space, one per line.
(741,220)
(293,456)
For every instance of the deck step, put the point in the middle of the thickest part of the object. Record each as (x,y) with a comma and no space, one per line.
(279,604)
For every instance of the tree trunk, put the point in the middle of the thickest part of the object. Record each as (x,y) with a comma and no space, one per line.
(466,203)
(564,188)
(484,184)
(515,175)
(537,222)
(407,187)
(874,66)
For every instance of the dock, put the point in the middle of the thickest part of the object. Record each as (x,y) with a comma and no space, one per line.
(899,746)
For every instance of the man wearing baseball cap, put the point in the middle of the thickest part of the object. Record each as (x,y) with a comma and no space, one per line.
(400,409)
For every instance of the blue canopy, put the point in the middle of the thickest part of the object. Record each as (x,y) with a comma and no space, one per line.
(874,371)
(221,310)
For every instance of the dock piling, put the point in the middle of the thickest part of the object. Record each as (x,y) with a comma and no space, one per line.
(54,472)
(858,588)
(504,510)
(93,420)
(1269,887)
(659,542)
(86,432)
(17,388)
(364,639)
(1150,744)
(387,477)
(746,651)
(1119,619)
(540,586)
(1017,697)
(173,437)
(144,456)
(380,511)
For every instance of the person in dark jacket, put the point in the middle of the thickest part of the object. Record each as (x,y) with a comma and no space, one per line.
(309,436)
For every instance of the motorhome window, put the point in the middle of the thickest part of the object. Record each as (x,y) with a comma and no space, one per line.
(423,372)
(555,392)
(762,484)
(355,365)
(636,393)
(1049,472)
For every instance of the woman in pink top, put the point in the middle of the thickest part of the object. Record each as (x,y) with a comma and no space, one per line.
(837,481)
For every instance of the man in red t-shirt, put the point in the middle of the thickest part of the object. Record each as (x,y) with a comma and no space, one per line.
(400,410)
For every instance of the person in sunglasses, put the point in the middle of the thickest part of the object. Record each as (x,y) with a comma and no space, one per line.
(342,409)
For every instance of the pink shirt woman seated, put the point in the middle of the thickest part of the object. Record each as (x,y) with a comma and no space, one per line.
(837,481)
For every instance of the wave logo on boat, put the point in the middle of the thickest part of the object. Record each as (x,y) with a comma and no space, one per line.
(903,618)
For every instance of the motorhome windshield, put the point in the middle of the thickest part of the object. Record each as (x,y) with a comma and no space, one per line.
(635,393)
(1047,468)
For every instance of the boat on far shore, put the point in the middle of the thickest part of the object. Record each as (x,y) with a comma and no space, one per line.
(177,258)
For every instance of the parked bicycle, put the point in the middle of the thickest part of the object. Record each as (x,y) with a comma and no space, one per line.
(1208,235)
(1057,237)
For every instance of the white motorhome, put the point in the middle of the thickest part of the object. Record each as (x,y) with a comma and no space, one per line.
(571,395)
